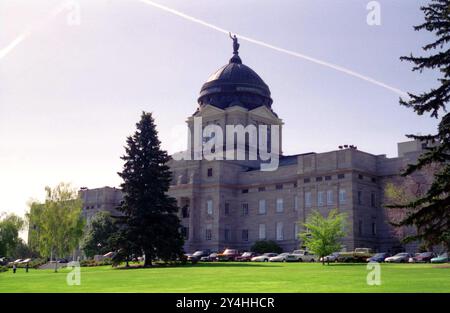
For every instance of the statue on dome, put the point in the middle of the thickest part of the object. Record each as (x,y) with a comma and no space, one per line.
(235,43)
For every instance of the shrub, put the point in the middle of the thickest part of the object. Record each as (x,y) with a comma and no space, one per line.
(266,246)
(3,269)
(90,262)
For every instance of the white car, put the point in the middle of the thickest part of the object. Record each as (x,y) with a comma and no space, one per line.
(301,256)
(263,258)
(398,258)
(279,258)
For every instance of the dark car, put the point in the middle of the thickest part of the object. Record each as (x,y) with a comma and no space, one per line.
(379,257)
(62,260)
(424,257)
(228,255)
(197,255)
(246,256)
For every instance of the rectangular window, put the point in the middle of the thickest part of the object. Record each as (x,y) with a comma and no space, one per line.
(280,205)
(208,234)
(359,197)
(318,178)
(330,197)
(244,190)
(374,229)
(262,231)
(308,202)
(227,234)
(260,189)
(185,232)
(279,186)
(373,179)
(244,209)
(227,208)
(360,176)
(341,176)
(262,207)
(295,203)
(372,200)
(342,196)
(306,180)
(360,227)
(210,172)
(295,185)
(245,235)
(296,231)
(320,198)
(209,207)
(327,177)
(280,231)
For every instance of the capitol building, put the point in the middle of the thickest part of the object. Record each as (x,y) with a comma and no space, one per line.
(233,203)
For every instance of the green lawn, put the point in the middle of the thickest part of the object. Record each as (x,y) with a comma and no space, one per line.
(236,277)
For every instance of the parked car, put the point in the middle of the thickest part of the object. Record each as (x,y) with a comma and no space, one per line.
(246,256)
(62,260)
(424,257)
(279,258)
(301,256)
(228,255)
(398,258)
(330,258)
(442,258)
(379,257)
(197,255)
(209,258)
(263,258)
(358,255)
(3,261)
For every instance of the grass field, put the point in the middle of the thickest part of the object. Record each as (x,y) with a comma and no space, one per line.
(235,277)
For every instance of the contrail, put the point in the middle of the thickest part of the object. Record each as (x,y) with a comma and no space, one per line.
(270,46)
(52,14)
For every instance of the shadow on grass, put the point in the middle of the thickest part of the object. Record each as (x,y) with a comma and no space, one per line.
(206,265)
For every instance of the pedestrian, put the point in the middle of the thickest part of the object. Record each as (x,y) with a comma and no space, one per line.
(14,268)
(26,267)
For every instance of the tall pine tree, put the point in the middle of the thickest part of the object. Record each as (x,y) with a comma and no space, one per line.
(431,212)
(150,214)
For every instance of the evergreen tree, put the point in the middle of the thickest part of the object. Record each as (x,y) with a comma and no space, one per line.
(431,212)
(150,214)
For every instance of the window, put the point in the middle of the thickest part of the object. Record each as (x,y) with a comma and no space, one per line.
(209,207)
(227,208)
(374,180)
(295,185)
(372,199)
(210,172)
(245,235)
(295,203)
(360,176)
(262,231)
(208,234)
(320,199)
(296,230)
(226,234)
(341,176)
(342,196)
(308,199)
(261,189)
(244,209)
(359,197)
(185,211)
(318,178)
(279,231)
(360,226)
(244,190)
(262,207)
(279,186)
(330,197)
(279,205)
(374,229)
(185,232)
(327,177)
(306,180)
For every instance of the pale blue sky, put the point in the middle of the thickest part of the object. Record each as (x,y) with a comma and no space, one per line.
(69,95)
